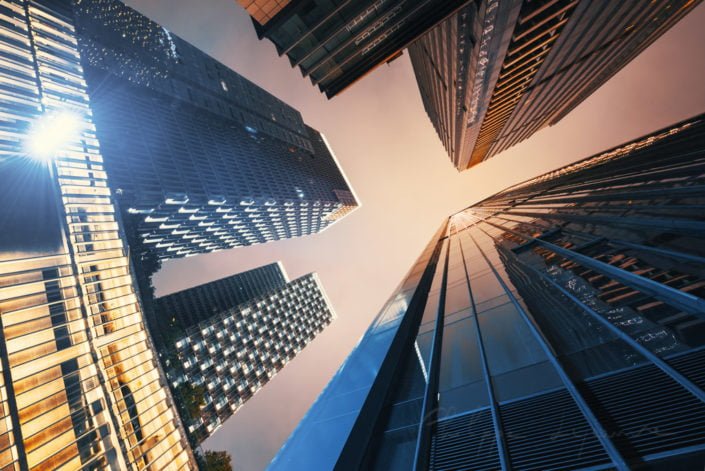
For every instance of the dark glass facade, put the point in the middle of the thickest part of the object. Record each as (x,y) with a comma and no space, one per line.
(335,43)
(212,161)
(216,364)
(80,387)
(191,306)
(559,324)
(498,71)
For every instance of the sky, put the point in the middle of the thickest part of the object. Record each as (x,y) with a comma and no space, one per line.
(387,147)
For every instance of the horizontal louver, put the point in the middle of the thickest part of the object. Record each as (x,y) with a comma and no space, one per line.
(692,366)
(646,412)
(466,442)
(642,409)
(548,432)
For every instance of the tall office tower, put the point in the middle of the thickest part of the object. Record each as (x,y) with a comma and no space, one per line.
(79,384)
(212,161)
(496,72)
(337,43)
(216,362)
(263,10)
(559,324)
(193,305)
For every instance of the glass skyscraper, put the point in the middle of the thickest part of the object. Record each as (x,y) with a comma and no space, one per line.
(193,305)
(559,324)
(201,159)
(79,385)
(337,43)
(495,72)
(224,340)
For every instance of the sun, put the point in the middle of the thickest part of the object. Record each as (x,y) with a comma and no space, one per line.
(51,133)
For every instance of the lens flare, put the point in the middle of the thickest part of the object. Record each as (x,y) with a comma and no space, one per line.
(51,133)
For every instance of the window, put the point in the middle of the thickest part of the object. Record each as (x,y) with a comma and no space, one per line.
(461,383)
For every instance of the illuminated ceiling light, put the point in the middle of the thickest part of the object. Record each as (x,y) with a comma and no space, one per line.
(51,133)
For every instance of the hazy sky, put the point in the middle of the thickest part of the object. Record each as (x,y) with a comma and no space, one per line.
(394,160)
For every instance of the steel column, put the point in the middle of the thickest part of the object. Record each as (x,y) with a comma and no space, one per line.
(494,407)
(671,296)
(592,420)
(430,398)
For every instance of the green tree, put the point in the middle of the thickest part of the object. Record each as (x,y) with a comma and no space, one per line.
(192,398)
(216,461)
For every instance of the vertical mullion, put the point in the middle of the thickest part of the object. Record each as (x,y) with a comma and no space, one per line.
(658,251)
(13,409)
(661,364)
(358,444)
(494,407)
(430,399)
(657,361)
(589,415)
(313,29)
(671,296)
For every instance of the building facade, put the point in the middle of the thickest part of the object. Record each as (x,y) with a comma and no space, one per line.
(559,324)
(263,10)
(337,43)
(218,362)
(80,387)
(213,161)
(498,71)
(191,306)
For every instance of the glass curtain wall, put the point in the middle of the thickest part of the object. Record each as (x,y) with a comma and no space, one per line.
(563,327)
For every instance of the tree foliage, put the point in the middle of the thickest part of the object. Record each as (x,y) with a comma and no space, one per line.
(192,398)
(216,461)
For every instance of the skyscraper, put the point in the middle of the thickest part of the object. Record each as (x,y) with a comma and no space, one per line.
(228,338)
(337,43)
(559,324)
(79,384)
(212,160)
(263,10)
(496,72)
(193,305)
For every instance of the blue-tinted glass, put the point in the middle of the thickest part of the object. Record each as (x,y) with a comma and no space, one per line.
(583,345)
(509,343)
(462,399)
(408,394)
(602,358)
(329,423)
(423,346)
(323,431)
(431,311)
(502,272)
(457,297)
(460,369)
(405,413)
(485,287)
(396,450)
(460,358)
(395,308)
(526,381)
